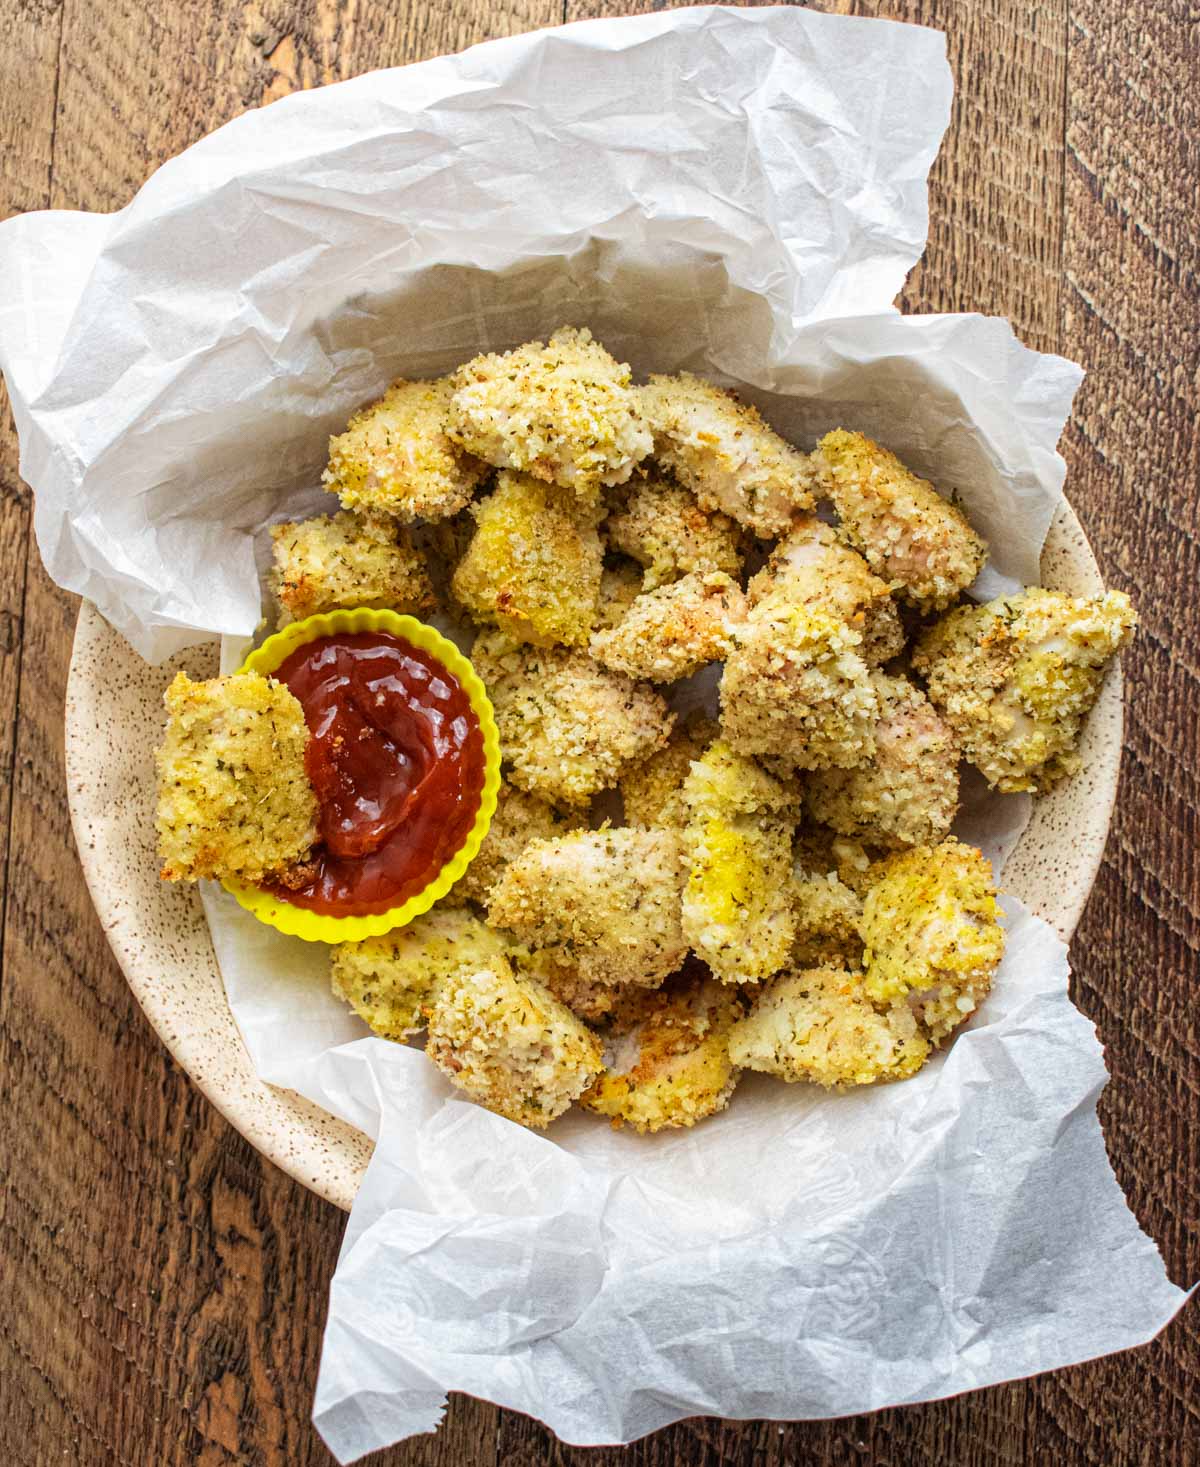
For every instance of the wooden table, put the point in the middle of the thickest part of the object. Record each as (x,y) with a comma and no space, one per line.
(163,1287)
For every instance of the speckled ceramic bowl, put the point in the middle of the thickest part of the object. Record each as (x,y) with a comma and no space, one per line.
(158,932)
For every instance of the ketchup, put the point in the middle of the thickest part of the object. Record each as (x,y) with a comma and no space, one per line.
(395,755)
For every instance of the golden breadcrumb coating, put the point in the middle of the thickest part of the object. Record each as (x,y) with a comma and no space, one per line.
(396,457)
(931,928)
(652,790)
(819,1025)
(346,560)
(620,587)
(827,916)
(563,412)
(389,981)
(533,565)
(664,529)
(587,999)
(606,900)
(795,688)
(667,1058)
(907,795)
(919,543)
(568,727)
(812,568)
(674,631)
(737,909)
(233,795)
(510,1044)
(726,454)
(519,819)
(1015,678)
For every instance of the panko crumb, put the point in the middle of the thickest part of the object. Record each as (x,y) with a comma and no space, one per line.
(1015,679)
(564,412)
(819,1025)
(795,688)
(811,567)
(519,819)
(726,454)
(827,917)
(607,901)
(234,798)
(568,727)
(932,933)
(510,1045)
(672,632)
(587,999)
(907,795)
(738,915)
(918,542)
(534,563)
(620,587)
(662,526)
(346,559)
(667,1056)
(395,456)
(389,981)
(652,790)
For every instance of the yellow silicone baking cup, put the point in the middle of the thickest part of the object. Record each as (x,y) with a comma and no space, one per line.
(316,926)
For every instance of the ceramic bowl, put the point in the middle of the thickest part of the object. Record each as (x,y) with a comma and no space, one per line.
(158,932)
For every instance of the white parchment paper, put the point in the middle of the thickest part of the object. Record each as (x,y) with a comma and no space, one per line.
(736,192)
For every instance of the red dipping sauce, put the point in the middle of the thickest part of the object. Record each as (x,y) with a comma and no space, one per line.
(396,759)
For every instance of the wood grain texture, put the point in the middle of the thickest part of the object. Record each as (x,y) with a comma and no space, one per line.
(165,1287)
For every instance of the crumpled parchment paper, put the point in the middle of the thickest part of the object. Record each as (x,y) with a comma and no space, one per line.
(736,192)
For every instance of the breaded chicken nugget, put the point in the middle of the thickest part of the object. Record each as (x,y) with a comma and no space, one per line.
(811,567)
(827,917)
(620,587)
(737,906)
(519,819)
(563,412)
(587,999)
(667,1057)
(395,456)
(723,451)
(533,565)
(920,543)
(568,727)
(674,631)
(606,900)
(1015,678)
(931,928)
(346,560)
(664,529)
(907,795)
(652,790)
(233,795)
(389,981)
(510,1045)
(819,1025)
(795,688)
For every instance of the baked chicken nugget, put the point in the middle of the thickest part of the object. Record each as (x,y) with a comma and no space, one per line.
(652,790)
(820,1025)
(519,819)
(931,929)
(907,794)
(827,917)
(811,567)
(607,901)
(234,798)
(509,1044)
(568,727)
(667,1056)
(914,539)
(396,457)
(795,688)
(662,526)
(346,560)
(563,412)
(534,563)
(726,454)
(389,980)
(673,632)
(738,915)
(1014,679)
(620,587)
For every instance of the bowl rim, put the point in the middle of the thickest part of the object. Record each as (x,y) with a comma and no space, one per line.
(320,1150)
